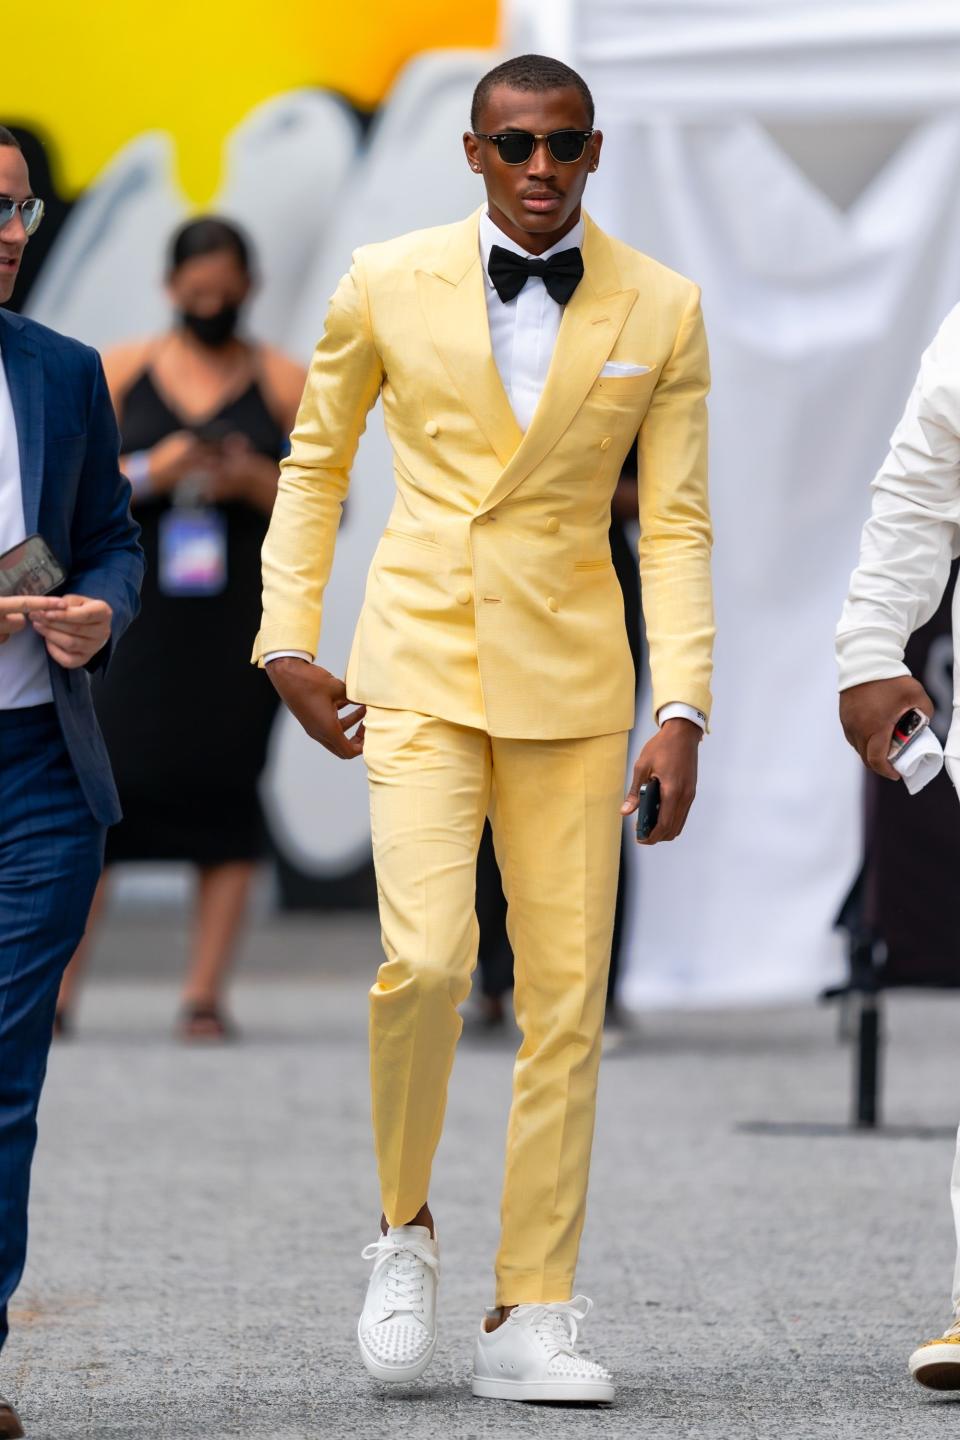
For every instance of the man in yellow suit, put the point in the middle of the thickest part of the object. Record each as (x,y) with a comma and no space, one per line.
(518,354)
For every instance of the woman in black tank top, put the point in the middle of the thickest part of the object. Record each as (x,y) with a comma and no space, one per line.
(204,419)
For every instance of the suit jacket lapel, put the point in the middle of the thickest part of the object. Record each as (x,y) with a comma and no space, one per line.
(24,371)
(591,323)
(455,307)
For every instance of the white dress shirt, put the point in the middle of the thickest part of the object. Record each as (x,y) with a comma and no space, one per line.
(24,677)
(523,335)
(523,331)
(911,537)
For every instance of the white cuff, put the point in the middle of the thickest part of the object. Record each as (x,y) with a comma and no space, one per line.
(869,653)
(676,710)
(294,654)
(920,762)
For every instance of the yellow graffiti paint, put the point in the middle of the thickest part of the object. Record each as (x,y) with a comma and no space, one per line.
(94,76)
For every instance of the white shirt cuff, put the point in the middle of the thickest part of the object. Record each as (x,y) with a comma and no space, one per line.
(676,710)
(295,654)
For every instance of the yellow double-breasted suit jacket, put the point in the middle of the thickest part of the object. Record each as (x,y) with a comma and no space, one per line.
(492,600)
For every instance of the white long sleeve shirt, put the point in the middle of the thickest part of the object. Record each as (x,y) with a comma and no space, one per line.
(24,676)
(523,335)
(913,532)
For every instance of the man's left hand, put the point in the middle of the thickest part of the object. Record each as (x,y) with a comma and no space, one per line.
(671,755)
(76,633)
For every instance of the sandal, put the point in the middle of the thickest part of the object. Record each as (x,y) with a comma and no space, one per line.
(204,1022)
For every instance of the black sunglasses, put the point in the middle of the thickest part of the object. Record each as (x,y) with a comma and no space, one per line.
(31,211)
(516,146)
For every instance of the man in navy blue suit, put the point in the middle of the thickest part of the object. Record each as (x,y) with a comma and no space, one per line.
(59,477)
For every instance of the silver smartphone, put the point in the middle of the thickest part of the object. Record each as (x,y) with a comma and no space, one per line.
(30,568)
(911,724)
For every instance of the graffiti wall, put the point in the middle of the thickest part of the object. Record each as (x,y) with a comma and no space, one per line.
(315,132)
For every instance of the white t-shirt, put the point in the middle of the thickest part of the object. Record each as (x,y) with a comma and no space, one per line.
(24,676)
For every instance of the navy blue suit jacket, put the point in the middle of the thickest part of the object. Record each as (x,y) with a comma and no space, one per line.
(76,497)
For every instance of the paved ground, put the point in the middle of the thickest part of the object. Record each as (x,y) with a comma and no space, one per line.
(198,1217)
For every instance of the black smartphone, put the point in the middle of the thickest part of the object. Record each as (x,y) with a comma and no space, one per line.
(648,812)
(30,568)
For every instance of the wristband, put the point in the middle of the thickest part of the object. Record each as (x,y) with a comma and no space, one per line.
(137,470)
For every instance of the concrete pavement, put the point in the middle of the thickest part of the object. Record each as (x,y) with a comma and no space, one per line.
(198,1217)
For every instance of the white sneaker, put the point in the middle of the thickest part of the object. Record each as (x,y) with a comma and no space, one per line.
(936,1363)
(531,1356)
(398,1327)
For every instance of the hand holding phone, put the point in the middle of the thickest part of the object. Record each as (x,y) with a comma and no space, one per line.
(648,811)
(911,724)
(18,611)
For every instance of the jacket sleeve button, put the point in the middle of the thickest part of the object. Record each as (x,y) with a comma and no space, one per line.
(552,604)
(604,443)
(432,428)
(553,525)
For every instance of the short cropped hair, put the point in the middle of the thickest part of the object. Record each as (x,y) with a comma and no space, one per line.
(536,73)
(7,137)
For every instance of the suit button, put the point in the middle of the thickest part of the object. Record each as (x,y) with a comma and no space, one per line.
(481,519)
(432,428)
(604,443)
(463,597)
(552,604)
(553,524)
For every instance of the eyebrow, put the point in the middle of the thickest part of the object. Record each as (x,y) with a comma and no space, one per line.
(522,129)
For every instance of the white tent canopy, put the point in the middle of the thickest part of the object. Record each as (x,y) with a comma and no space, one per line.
(802,163)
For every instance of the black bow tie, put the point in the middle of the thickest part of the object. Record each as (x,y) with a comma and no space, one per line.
(561,274)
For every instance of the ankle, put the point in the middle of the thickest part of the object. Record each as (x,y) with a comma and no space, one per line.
(192,998)
(493,1322)
(423,1217)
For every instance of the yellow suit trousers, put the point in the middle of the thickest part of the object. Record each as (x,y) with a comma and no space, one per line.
(554,807)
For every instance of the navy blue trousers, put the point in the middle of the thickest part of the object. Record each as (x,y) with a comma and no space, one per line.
(51,853)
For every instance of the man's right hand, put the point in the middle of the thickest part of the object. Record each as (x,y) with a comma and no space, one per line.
(869,712)
(15,608)
(315,698)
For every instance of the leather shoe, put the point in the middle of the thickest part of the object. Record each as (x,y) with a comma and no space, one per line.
(10,1427)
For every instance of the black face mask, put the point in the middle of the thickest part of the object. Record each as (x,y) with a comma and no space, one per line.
(212,330)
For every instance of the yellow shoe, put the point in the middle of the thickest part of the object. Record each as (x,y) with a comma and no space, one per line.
(936,1363)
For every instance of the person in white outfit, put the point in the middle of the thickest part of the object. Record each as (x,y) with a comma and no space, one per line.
(908,544)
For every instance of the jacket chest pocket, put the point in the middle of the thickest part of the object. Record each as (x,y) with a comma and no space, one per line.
(618,403)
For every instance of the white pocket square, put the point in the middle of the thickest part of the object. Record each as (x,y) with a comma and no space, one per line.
(617,367)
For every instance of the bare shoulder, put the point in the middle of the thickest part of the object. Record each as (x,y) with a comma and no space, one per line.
(283,380)
(123,363)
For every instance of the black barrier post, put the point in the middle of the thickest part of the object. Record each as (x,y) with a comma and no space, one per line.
(861,1007)
(867,1060)
(861,1022)
(866,959)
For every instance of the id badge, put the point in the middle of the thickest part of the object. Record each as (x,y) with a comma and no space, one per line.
(192,556)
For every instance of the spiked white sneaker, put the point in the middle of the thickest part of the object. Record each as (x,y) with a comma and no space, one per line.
(398,1326)
(532,1356)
